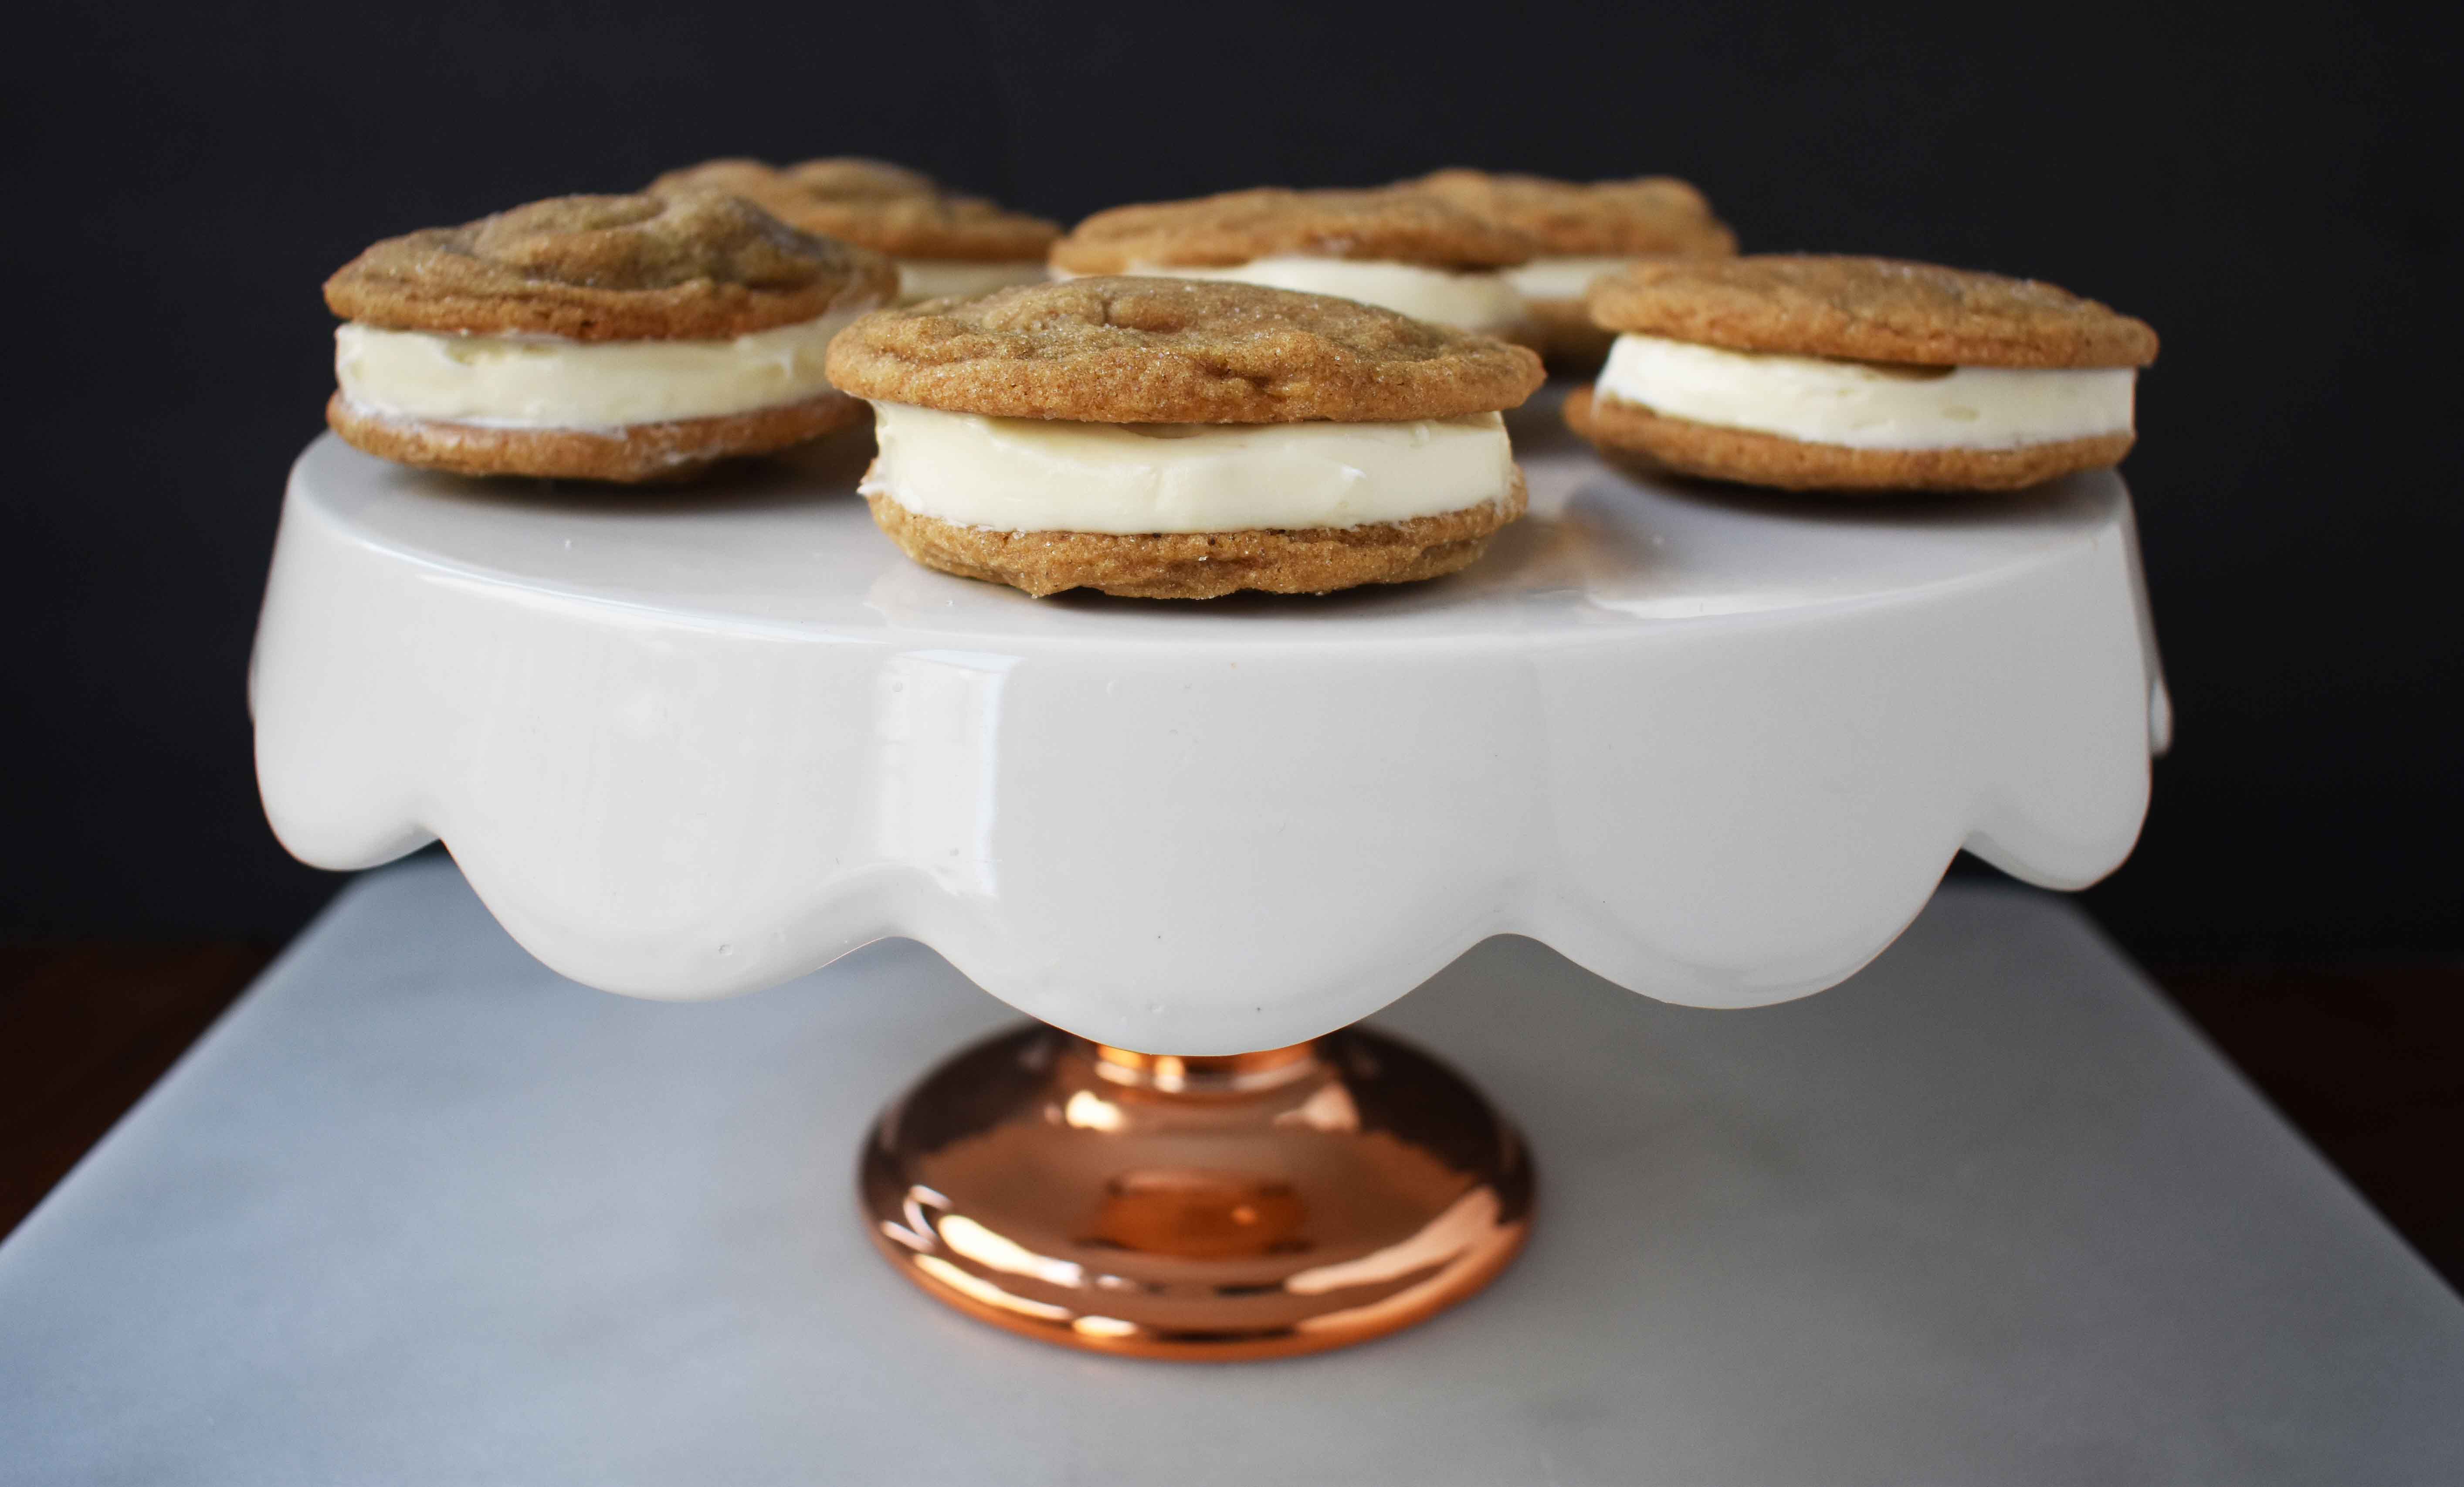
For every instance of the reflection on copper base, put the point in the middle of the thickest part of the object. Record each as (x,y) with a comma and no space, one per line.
(1255,1205)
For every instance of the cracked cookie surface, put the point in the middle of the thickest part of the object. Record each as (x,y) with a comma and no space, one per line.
(873,204)
(609,268)
(1241,226)
(1647,214)
(1138,350)
(1869,310)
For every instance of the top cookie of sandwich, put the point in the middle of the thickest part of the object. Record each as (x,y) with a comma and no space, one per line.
(609,268)
(1237,226)
(1169,350)
(847,177)
(1869,310)
(886,208)
(1647,214)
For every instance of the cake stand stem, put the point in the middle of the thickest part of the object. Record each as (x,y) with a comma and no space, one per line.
(1250,1206)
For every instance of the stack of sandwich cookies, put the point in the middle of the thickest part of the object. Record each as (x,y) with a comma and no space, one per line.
(944,243)
(1841,373)
(1583,230)
(1405,250)
(612,338)
(1170,438)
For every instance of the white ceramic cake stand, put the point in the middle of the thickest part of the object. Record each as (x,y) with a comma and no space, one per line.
(1717,747)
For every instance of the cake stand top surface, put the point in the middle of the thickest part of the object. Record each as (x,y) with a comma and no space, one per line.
(1716,746)
(1595,555)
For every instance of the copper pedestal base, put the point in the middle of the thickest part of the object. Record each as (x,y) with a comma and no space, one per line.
(1255,1205)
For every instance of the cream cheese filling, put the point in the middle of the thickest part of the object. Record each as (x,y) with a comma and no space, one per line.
(1479,300)
(1037,474)
(1863,404)
(548,382)
(935,278)
(1565,277)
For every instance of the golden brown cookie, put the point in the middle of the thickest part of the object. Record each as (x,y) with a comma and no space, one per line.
(1239,227)
(1745,369)
(1648,214)
(887,208)
(852,177)
(1138,350)
(1749,457)
(537,318)
(629,455)
(1169,350)
(608,268)
(1869,310)
(1203,565)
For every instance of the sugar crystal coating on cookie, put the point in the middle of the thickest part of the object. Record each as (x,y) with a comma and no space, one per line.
(886,208)
(1241,226)
(1166,350)
(609,268)
(1647,214)
(1869,309)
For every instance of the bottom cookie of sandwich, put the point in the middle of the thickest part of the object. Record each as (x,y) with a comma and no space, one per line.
(1750,459)
(1203,565)
(631,454)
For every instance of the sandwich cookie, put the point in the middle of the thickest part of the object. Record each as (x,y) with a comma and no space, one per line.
(1583,230)
(605,338)
(1181,439)
(1404,250)
(1860,374)
(944,243)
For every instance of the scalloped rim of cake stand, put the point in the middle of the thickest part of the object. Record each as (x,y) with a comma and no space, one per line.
(1717,747)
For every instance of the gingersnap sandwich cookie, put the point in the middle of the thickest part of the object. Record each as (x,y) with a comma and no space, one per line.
(1860,374)
(1583,230)
(1183,439)
(944,243)
(1402,250)
(605,338)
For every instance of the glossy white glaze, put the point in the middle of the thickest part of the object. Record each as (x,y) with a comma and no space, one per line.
(1718,751)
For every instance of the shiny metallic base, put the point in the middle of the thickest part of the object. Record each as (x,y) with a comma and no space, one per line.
(1255,1206)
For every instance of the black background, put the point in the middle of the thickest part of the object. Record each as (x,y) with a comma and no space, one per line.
(2278,197)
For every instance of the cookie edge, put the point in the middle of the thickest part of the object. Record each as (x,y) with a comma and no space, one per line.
(1195,565)
(632,455)
(1744,456)
(1086,393)
(2105,337)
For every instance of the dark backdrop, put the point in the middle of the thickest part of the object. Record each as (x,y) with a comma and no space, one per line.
(2266,193)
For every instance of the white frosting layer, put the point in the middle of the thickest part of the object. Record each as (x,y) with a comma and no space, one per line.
(547,382)
(1861,404)
(1565,277)
(1481,301)
(1036,475)
(933,278)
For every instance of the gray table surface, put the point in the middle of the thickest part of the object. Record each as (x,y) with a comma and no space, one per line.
(418,1210)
